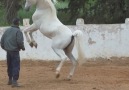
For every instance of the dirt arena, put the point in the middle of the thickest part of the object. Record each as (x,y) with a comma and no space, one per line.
(93,75)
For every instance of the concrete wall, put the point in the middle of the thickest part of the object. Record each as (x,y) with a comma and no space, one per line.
(101,40)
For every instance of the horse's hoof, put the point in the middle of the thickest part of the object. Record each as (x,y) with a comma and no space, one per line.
(36,45)
(69,78)
(31,44)
(57,75)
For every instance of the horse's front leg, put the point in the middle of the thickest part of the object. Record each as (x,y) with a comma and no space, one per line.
(30,29)
(33,42)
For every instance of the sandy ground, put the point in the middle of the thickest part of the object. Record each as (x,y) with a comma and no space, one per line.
(93,75)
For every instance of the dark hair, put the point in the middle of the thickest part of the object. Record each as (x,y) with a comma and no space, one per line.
(16,21)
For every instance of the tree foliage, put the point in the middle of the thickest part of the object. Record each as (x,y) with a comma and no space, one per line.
(109,11)
(92,11)
(99,11)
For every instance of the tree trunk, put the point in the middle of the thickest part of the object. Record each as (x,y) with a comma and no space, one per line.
(11,10)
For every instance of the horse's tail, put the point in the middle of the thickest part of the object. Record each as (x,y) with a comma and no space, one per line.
(80,46)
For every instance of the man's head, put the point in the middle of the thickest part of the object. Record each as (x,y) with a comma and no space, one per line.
(16,21)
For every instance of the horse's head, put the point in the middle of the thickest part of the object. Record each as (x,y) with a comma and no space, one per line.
(29,3)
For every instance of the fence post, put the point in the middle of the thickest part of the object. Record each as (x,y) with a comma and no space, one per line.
(127,23)
(80,24)
(26,22)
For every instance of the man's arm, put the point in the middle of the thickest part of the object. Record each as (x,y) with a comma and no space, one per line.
(2,41)
(20,40)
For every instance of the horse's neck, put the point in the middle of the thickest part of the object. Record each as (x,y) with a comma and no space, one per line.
(46,4)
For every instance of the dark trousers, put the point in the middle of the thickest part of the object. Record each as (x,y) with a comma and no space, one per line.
(13,65)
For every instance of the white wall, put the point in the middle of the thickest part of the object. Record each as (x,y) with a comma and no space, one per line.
(101,40)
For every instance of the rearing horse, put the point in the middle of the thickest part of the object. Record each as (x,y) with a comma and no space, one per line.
(45,19)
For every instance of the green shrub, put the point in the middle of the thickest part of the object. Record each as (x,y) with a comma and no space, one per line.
(24,14)
(2,18)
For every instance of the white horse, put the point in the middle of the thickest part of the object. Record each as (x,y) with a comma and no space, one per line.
(45,19)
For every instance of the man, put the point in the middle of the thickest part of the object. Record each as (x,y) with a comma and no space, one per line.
(12,43)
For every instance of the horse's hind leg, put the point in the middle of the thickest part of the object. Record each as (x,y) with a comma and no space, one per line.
(74,62)
(68,52)
(63,57)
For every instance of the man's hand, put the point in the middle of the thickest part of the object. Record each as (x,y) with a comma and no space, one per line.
(23,49)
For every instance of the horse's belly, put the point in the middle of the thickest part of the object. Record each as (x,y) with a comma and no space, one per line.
(52,31)
(49,30)
(48,33)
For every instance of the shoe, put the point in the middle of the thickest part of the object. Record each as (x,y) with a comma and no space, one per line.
(10,82)
(15,84)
